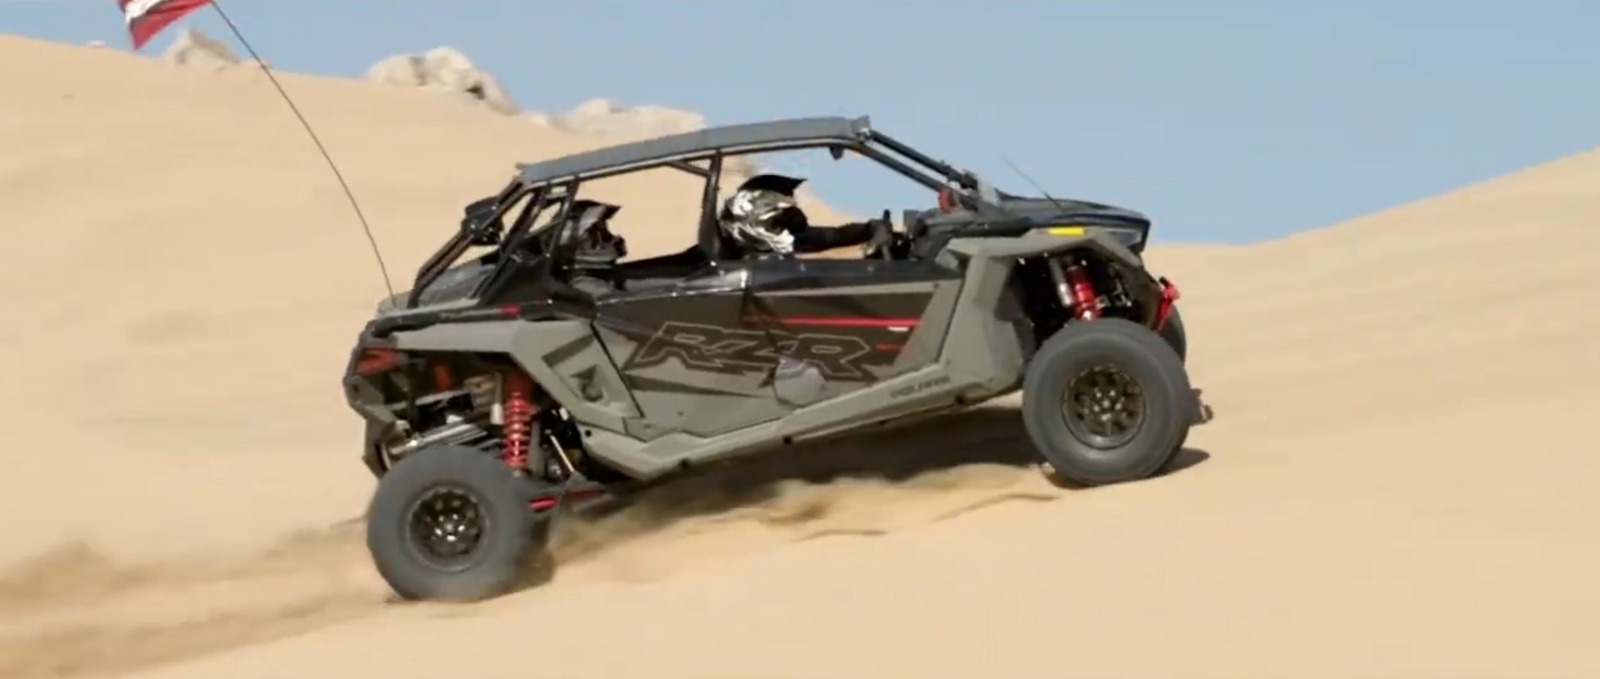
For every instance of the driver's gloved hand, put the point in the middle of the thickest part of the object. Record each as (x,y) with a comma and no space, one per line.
(882,235)
(883,230)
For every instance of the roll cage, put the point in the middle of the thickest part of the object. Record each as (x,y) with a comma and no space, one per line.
(555,182)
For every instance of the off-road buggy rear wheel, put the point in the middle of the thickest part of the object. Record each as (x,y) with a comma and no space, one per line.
(453,524)
(1106,401)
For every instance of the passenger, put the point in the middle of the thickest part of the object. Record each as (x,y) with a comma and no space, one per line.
(595,250)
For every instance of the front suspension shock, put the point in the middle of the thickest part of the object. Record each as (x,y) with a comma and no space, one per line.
(1085,299)
(1076,289)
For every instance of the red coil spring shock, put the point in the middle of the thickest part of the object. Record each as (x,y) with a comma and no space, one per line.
(1085,301)
(519,411)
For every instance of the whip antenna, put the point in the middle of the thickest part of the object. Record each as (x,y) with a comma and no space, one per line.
(1035,184)
(367,228)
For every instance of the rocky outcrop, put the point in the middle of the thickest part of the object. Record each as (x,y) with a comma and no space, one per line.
(615,123)
(604,118)
(447,70)
(196,49)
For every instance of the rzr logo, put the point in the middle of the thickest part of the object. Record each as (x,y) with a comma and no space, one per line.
(731,351)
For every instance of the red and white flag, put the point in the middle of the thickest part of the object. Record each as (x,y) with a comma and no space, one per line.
(146,18)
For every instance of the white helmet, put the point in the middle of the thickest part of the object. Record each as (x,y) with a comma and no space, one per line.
(751,215)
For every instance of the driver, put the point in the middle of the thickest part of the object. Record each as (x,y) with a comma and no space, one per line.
(761,219)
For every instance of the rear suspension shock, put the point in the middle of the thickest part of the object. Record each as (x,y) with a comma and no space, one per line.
(519,411)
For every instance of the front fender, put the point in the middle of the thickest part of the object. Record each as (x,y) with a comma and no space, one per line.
(1048,241)
(1141,285)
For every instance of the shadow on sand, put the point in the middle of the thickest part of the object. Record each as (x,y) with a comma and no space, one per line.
(935,453)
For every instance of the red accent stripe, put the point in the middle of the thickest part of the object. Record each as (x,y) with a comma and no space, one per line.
(543,503)
(849,322)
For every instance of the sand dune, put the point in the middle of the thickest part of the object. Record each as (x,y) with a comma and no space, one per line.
(1398,482)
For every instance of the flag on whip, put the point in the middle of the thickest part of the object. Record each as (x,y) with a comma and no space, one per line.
(146,18)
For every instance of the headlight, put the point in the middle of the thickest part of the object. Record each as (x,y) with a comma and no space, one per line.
(1132,239)
(1129,238)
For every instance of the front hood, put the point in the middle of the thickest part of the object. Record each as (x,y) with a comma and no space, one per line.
(1023,214)
(1055,211)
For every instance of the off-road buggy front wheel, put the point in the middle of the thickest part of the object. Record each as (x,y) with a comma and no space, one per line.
(1173,333)
(1106,401)
(453,524)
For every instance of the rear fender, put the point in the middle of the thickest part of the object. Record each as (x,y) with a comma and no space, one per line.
(563,356)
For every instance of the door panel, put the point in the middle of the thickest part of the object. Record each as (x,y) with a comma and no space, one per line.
(842,325)
(693,360)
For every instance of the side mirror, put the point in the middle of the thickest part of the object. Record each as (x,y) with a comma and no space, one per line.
(836,151)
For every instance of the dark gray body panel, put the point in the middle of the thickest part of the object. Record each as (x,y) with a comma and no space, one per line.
(740,357)
(970,343)
(560,355)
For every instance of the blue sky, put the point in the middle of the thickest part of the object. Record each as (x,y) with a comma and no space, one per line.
(1225,121)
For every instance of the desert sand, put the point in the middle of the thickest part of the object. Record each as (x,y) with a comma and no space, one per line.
(1399,481)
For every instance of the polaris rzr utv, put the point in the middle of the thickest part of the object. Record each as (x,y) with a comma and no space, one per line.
(547,372)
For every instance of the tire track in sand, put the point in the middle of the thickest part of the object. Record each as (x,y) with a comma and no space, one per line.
(84,614)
